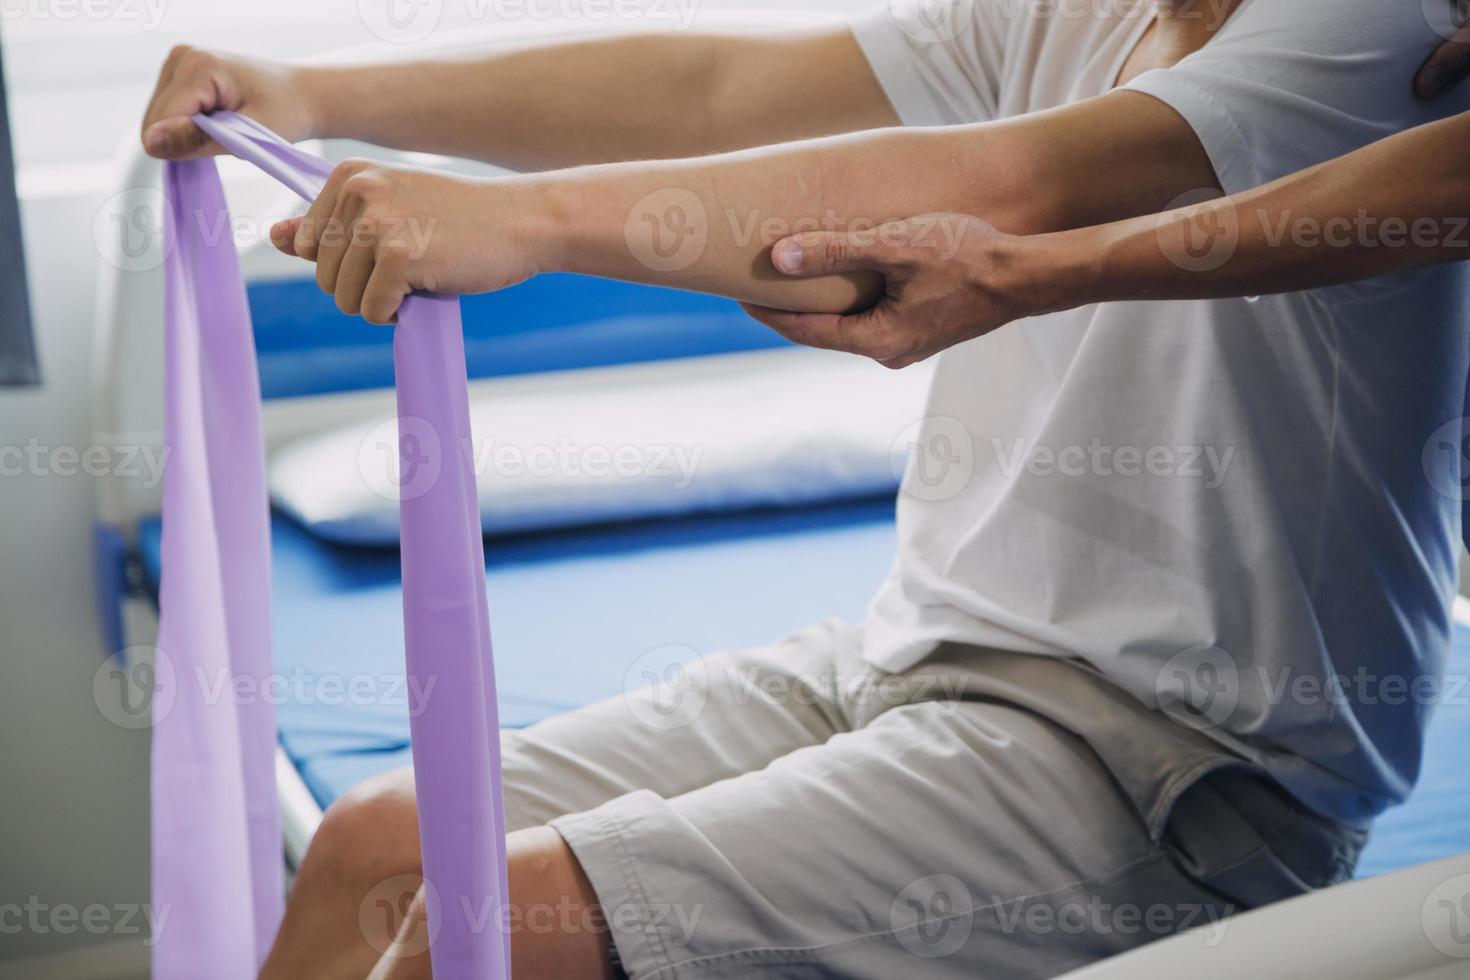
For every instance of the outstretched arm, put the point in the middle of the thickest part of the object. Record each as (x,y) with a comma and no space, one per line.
(1401,202)
(708,223)
(623,97)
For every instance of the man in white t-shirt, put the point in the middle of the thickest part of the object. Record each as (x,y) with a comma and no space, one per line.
(1162,568)
(1231,488)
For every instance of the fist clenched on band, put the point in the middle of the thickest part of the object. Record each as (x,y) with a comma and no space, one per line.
(378,233)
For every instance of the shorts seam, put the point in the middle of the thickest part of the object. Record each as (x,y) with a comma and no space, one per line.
(613,833)
(659,953)
(793,954)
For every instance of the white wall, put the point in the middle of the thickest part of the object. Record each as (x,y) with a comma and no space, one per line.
(73,790)
(72,796)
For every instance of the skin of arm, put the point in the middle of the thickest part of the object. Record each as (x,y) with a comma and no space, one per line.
(390,230)
(624,97)
(1404,201)
(1401,202)
(708,223)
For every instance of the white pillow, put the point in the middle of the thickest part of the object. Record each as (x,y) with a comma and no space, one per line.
(767,428)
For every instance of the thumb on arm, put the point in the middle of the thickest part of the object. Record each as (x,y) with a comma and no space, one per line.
(824,253)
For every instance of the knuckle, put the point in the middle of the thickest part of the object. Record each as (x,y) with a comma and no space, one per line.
(355,186)
(377,309)
(352,167)
(305,240)
(834,250)
(195,61)
(362,186)
(391,257)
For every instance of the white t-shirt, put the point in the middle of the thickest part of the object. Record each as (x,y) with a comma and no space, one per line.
(1232,509)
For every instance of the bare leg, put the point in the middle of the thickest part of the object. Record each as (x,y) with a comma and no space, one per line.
(353,887)
(356,903)
(557,928)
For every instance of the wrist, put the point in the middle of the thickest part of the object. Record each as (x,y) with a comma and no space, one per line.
(311,87)
(1053,272)
(541,221)
(332,100)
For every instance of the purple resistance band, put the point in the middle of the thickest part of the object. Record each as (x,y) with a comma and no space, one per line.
(216,835)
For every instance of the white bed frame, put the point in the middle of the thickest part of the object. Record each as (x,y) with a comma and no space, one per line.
(1395,927)
(1410,925)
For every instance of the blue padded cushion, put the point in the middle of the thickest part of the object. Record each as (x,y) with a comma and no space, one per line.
(307,346)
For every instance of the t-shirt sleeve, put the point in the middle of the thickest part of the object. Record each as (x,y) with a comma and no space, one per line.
(940,62)
(1287,85)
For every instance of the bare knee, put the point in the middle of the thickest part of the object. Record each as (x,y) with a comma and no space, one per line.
(369,834)
(359,873)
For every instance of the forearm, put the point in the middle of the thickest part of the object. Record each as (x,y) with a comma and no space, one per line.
(716,218)
(644,96)
(1401,202)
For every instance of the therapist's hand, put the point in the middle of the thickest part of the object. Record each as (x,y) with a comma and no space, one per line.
(1447,67)
(193,80)
(949,278)
(378,233)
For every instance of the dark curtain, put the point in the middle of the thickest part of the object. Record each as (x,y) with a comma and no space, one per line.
(17,347)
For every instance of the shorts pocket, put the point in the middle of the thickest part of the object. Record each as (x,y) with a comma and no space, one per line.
(1238,833)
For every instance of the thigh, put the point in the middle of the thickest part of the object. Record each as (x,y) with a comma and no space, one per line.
(718,717)
(943,839)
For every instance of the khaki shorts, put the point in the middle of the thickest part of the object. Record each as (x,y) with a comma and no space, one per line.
(791,811)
